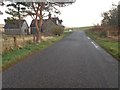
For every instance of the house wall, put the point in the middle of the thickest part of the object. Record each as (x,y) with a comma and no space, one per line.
(13,31)
(25,28)
(33,30)
(48,26)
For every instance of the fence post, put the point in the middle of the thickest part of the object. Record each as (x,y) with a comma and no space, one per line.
(15,41)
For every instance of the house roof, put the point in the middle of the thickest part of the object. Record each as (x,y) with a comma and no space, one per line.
(44,21)
(13,23)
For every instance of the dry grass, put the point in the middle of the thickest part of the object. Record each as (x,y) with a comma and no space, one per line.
(8,42)
(111,32)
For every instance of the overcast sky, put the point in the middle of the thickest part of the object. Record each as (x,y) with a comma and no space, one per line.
(81,13)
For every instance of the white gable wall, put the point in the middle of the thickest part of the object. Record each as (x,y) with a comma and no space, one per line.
(24,28)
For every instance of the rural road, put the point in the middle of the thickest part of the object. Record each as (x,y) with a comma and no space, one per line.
(74,62)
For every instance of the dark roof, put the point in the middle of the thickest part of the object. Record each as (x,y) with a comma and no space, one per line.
(13,23)
(54,19)
(44,20)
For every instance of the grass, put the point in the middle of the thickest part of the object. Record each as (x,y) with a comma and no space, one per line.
(109,45)
(80,28)
(12,57)
(84,28)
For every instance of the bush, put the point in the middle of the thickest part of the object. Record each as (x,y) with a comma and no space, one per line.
(57,30)
(103,34)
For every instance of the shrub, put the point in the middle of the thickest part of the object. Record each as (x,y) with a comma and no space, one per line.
(57,30)
(103,34)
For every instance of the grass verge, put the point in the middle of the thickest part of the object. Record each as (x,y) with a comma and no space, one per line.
(12,57)
(109,45)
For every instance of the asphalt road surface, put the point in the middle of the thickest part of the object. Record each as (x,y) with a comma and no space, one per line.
(74,62)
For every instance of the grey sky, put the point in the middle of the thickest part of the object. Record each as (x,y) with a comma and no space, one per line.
(81,13)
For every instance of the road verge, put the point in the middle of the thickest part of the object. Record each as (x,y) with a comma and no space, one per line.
(109,45)
(12,57)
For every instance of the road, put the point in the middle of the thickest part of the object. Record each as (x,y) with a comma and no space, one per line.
(74,62)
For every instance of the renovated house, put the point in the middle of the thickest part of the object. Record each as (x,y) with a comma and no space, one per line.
(16,27)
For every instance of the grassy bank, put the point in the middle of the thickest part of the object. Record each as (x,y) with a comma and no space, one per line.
(16,55)
(109,45)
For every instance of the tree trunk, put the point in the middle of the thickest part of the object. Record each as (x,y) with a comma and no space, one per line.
(41,21)
(38,27)
(37,32)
